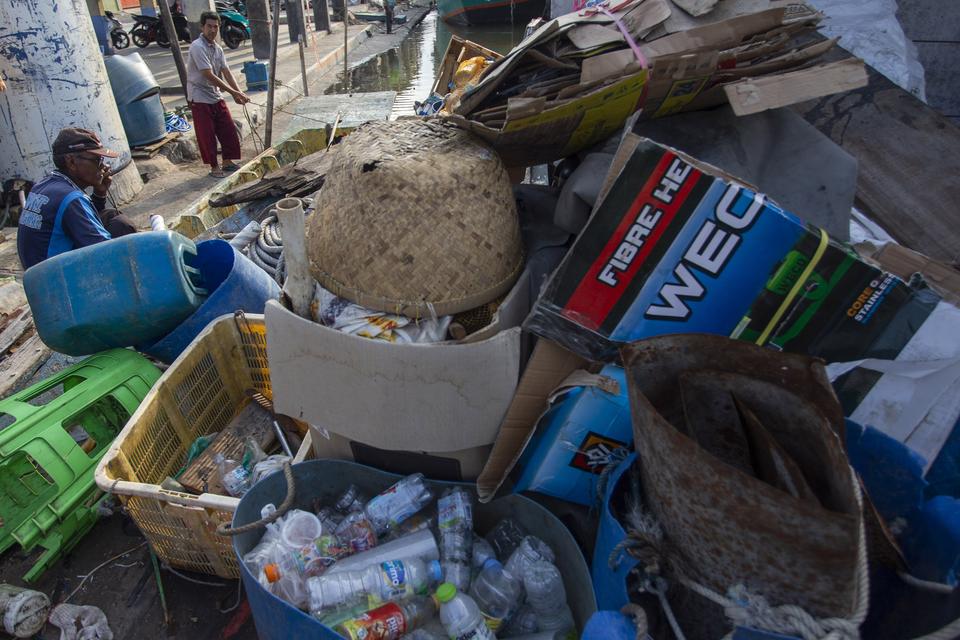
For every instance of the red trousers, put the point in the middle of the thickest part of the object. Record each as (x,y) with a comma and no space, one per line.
(213,122)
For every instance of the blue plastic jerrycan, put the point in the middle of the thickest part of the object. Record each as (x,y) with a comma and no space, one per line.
(126,291)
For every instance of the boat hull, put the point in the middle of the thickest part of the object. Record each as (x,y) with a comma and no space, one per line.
(473,12)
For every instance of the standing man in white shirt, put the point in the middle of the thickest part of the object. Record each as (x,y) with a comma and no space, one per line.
(208,75)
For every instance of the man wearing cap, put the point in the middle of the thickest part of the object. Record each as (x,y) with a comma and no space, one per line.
(58,215)
(208,74)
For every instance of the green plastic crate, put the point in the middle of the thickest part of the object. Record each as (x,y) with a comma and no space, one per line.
(53,435)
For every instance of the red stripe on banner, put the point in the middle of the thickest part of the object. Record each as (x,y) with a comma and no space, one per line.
(593,299)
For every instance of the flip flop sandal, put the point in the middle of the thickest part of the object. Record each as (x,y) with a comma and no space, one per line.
(217,173)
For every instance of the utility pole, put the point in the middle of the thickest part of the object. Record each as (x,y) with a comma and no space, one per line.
(268,129)
(171,30)
(260,25)
(321,16)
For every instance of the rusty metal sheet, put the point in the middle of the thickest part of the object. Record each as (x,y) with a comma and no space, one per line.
(723,527)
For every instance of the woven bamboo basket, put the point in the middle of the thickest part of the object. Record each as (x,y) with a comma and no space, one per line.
(415,217)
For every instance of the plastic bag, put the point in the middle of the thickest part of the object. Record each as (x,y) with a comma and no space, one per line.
(79,622)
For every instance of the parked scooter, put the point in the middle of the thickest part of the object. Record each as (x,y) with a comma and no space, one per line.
(234,26)
(118,36)
(150,29)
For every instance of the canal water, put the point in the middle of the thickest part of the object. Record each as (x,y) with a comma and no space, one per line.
(411,68)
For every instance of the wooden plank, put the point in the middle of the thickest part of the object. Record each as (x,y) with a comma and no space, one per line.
(909,157)
(15,328)
(22,363)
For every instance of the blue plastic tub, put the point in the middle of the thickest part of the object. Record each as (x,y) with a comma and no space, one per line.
(126,291)
(234,282)
(137,94)
(326,479)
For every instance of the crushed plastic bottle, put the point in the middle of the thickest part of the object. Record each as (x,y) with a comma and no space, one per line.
(531,549)
(405,498)
(234,478)
(547,597)
(460,615)
(391,620)
(482,551)
(455,521)
(329,519)
(505,538)
(357,532)
(352,499)
(263,552)
(496,592)
(421,545)
(377,584)
(416,522)
(523,622)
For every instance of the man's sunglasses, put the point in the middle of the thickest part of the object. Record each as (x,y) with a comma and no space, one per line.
(100,160)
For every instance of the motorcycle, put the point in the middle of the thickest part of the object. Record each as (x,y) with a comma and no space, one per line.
(118,36)
(234,26)
(150,29)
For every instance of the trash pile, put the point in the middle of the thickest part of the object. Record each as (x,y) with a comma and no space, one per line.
(407,559)
(657,394)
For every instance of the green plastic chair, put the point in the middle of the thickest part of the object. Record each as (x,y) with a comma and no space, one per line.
(52,435)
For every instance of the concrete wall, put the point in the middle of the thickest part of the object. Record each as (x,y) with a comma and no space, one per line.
(55,79)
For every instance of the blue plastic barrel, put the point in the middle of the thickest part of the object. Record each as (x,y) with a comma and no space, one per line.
(256,75)
(126,291)
(326,479)
(233,282)
(137,94)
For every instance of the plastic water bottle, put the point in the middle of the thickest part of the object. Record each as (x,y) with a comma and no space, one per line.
(352,499)
(531,549)
(389,621)
(505,538)
(547,597)
(329,519)
(482,551)
(357,532)
(455,521)
(496,592)
(234,478)
(460,615)
(399,502)
(416,522)
(263,552)
(421,545)
(380,583)
(523,622)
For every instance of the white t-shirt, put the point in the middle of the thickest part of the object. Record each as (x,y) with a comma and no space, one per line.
(204,55)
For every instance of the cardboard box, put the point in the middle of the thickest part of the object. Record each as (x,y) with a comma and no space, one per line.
(433,408)
(675,246)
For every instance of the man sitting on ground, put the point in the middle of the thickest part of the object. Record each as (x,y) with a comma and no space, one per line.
(58,215)
(207,74)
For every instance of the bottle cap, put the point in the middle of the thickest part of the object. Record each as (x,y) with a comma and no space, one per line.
(492,562)
(446,592)
(272,571)
(436,571)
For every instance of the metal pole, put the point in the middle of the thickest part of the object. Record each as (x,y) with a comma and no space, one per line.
(174,45)
(346,67)
(268,129)
(303,67)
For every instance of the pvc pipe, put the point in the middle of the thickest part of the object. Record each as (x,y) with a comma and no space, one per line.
(299,285)
(247,235)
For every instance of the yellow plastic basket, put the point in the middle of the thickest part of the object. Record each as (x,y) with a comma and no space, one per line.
(199,394)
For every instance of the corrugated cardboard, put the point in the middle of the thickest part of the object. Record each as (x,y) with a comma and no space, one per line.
(904,262)
(383,404)
(549,366)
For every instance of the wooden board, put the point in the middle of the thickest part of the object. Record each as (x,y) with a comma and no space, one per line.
(252,420)
(150,150)
(22,363)
(909,160)
(19,324)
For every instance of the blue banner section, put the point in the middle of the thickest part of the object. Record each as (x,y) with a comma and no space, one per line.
(715,268)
